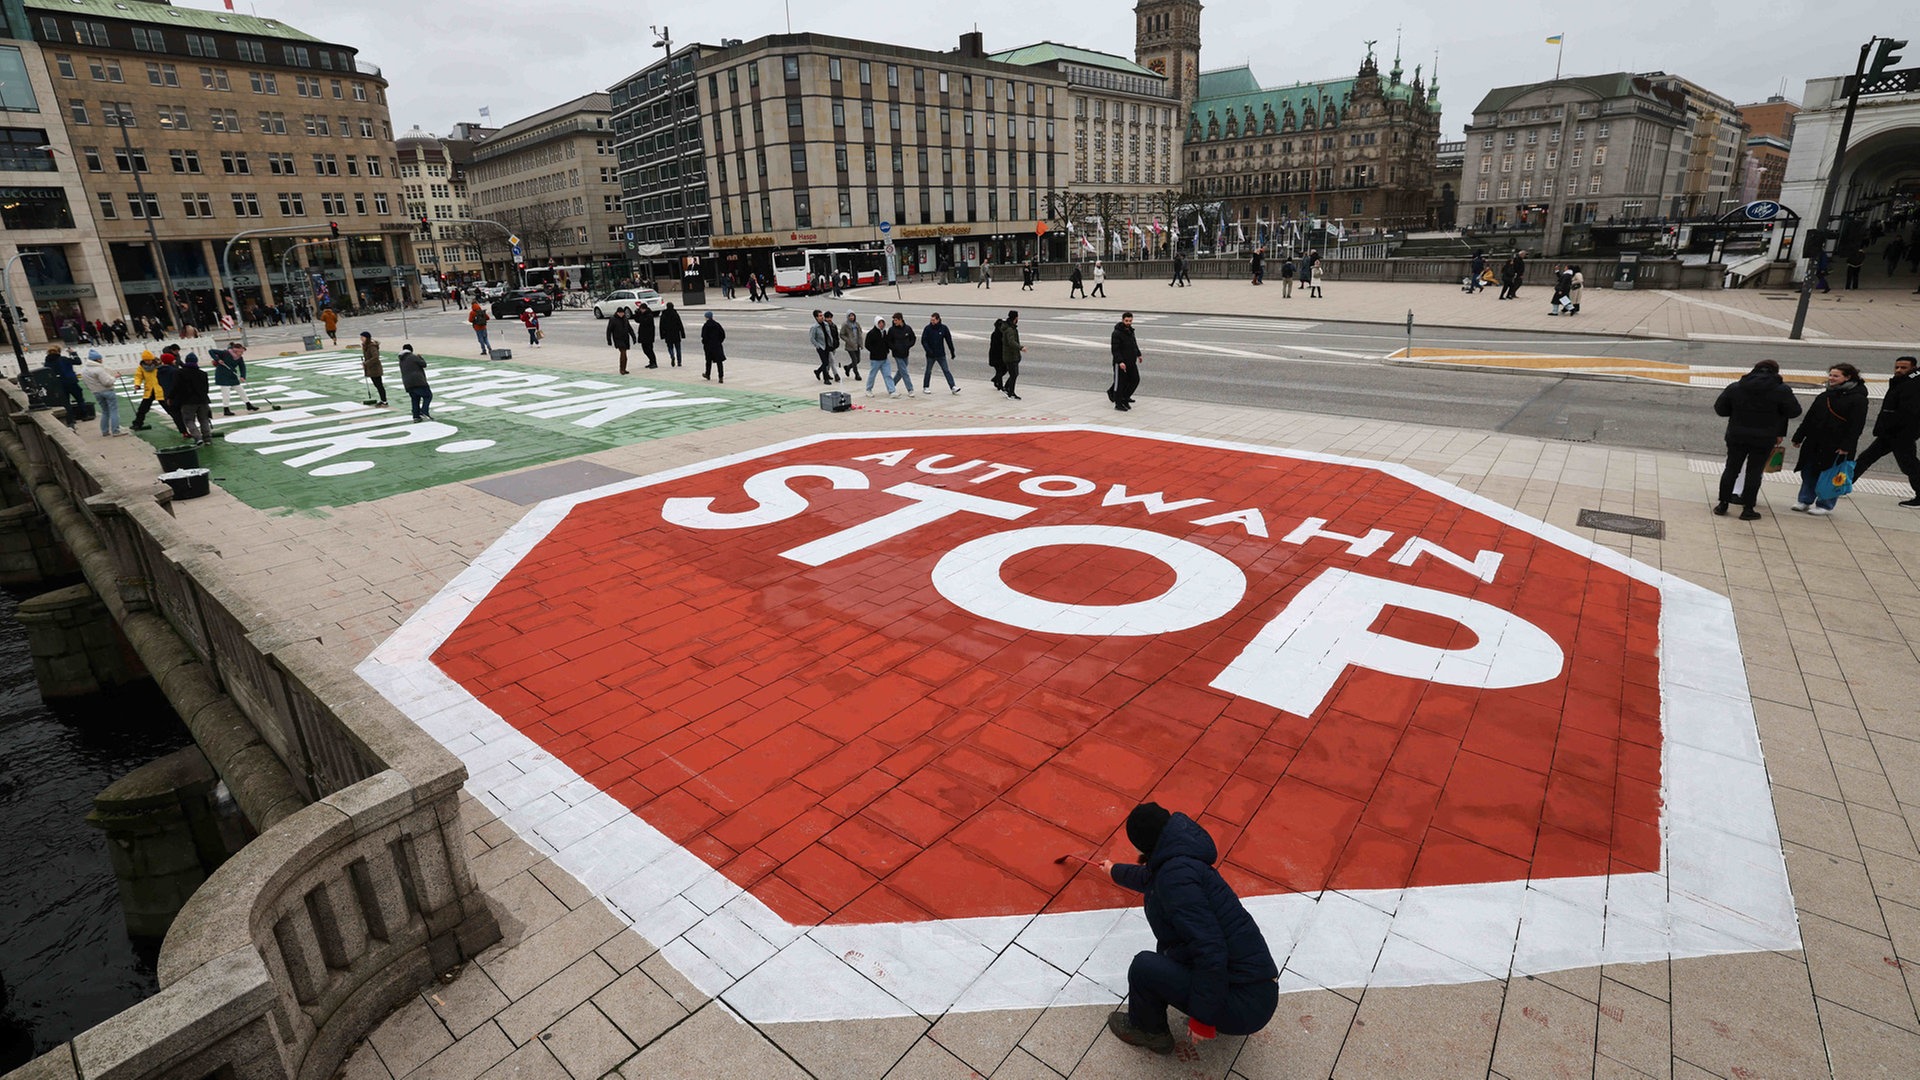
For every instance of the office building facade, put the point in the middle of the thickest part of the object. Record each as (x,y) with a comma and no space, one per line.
(553,179)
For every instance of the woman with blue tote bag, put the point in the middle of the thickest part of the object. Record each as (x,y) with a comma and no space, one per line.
(1829,433)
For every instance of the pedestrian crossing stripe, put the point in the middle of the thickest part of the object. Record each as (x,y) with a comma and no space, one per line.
(1276,326)
(1102,316)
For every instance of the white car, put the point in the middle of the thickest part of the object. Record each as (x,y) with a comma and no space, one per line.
(629,299)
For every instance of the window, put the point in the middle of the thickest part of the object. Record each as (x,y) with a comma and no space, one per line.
(325,165)
(117,114)
(1506,163)
(1533,137)
(1599,155)
(1486,142)
(893,76)
(791,67)
(162,74)
(65,64)
(1573,159)
(184,161)
(296,56)
(104,70)
(373,165)
(359,91)
(147,41)
(796,115)
(92,156)
(333,203)
(86,33)
(797,159)
(315,125)
(197,204)
(108,209)
(293,204)
(144,206)
(1600,132)
(893,117)
(802,209)
(245,203)
(833,69)
(866,73)
(223,120)
(379,203)
(173,117)
(251,50)
(839,115)
(1511,138)
(334,85)
(264,82)
(753,73)
(1528,163)
(1593,185)
(846,208)
(201,45)
(280,164)
(214,79)
(134,160)
(235,163)
(866,115)
(943,82)
(273,123)
(840,158)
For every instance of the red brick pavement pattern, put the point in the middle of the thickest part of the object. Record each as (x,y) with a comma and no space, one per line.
(852,747)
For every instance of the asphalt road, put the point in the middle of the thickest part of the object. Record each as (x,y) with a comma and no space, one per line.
(1296,363)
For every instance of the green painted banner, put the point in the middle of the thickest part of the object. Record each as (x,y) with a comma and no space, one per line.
(324,446)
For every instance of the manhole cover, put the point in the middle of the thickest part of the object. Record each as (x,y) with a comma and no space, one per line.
(1623,523)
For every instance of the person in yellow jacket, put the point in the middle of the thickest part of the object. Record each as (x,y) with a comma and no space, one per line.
(146,379)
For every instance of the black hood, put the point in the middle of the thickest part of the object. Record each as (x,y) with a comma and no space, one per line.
(1183,838)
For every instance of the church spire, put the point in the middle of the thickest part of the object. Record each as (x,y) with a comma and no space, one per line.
(1433,87)
(1397,69)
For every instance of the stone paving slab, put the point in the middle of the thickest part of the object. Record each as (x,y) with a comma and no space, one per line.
(1825,615)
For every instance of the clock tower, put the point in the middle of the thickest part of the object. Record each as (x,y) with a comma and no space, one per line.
(1167,40)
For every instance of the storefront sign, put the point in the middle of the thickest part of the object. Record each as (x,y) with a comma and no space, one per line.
(61,292)
(923,231)
(736,242)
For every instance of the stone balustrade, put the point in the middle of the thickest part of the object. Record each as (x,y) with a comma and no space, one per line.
(356,893)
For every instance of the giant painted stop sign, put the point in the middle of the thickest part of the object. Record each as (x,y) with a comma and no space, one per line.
(839,703)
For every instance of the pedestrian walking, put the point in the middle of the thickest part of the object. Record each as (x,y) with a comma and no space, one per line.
(1310,275)
(1288,271)
(96,376)
(937,342)
(413,379)
(1257,266)
(1897,428)
(620,336)
(1075,284)
(1010,351)
(530,319)
(1855,260)
(1179,271)
(330,319)
(1562,286)
(672,333)
(372,368)
(712,339)
(878,363)
(1027,274)
(1821,263)
(1829,433)
(995,355)
(1757,408)
(822,340)
(1575,287)
(192,404)
(986,276)
(1099,280)
(1126,364)
(170,368)
(643,332)
(230,375)
(1474,269)
(1209,960)
(850,339)
(477,318)
(900,342)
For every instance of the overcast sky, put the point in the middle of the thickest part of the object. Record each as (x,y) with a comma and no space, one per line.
(446,61)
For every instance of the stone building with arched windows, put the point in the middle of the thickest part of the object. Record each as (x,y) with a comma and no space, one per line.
(1357,151)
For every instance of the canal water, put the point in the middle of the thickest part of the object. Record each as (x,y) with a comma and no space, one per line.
(66,960)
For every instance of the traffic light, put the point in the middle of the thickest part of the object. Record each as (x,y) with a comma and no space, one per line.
(426,227)
(334,228)
(522,264)
(1887,55)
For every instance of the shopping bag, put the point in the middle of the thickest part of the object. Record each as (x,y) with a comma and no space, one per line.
(1836,481)
(1778,461)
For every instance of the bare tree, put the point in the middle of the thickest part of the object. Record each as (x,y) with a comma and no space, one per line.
(541,225)
(1106,205)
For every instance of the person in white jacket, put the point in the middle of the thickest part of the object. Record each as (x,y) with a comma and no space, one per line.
(96,376)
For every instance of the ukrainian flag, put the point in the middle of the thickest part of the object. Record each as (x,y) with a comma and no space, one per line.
(1555,39)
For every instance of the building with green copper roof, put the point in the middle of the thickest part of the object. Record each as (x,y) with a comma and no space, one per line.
(160,13)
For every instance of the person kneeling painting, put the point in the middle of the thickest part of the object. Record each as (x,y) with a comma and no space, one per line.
(1211,961)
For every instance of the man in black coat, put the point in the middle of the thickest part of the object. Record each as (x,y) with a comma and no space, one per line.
(1126,364)
(900,342)
(1897,428)
(712,334)
(1757,409)
(1210,960)
(620,336)
(643,332)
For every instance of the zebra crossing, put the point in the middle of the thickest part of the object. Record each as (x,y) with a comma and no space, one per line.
(1103,317)
(1270,326)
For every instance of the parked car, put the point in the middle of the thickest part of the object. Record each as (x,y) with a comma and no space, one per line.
(630,299)
(510,305)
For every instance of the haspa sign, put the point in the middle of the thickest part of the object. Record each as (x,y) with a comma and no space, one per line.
(824,715)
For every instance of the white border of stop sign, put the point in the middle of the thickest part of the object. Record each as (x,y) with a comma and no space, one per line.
(1722,887)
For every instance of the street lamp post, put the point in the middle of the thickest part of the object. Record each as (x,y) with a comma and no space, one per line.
(35,399)
(680,157)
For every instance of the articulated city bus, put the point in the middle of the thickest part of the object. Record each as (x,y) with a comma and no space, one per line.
(812,270)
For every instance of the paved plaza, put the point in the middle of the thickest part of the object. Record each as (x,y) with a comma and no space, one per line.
(777,721)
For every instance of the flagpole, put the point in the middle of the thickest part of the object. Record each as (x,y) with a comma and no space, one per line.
(1559,53)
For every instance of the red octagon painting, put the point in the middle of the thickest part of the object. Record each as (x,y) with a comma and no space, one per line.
(889,679)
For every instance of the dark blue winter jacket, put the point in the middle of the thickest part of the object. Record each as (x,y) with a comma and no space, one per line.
(1197,920)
